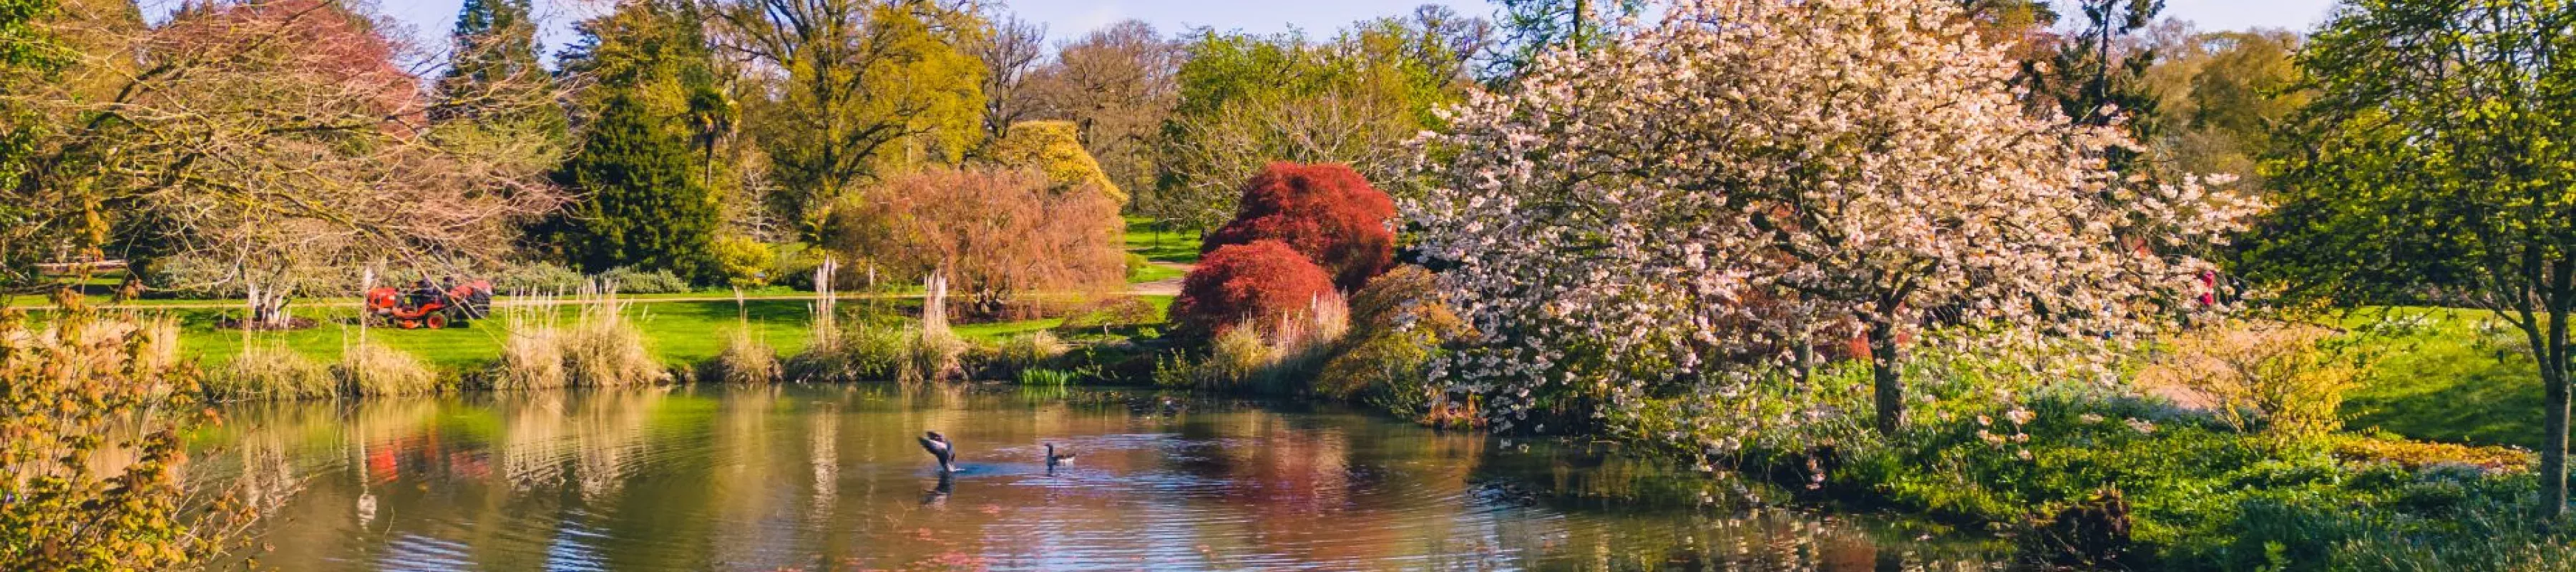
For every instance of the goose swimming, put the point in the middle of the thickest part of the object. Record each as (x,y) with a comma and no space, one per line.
(1054,458)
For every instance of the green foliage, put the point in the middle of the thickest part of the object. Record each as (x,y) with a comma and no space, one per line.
(1398,323)
(1532,29)
(631,280)
(495,39)
(2286,380)
(872,88)
(2223,95)
(1054,148)
(643,206)
(656,53)
(880,348)
(2431,162)
(494,81)
(2427,520)
(1046,377)
(1025,352)
(23,45)
(1246,100)
(2097,81)
(745,263)
(26,55)
(538,278)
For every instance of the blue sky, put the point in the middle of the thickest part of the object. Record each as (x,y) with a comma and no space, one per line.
(1069,18)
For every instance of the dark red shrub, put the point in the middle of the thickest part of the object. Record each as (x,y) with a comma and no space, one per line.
(1263,280)
(1327,212)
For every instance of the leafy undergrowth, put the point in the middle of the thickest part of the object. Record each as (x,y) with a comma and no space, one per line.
(2198,496)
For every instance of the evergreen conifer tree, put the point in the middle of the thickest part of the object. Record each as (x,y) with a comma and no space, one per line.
(641,207)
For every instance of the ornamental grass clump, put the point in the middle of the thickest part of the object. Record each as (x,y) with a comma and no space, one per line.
(271,371)
(532,354)
(1271,357)
(596,347)
(602,349)
(374,370)
(744,359)
(932,354)
(863,351)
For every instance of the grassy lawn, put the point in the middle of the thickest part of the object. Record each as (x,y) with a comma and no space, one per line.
(1154,273)
(1161,245)
(2449,383)
(678,332)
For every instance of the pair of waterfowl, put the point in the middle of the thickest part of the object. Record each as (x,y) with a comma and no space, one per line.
(946,453)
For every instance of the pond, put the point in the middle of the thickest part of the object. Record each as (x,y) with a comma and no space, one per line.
(832,478)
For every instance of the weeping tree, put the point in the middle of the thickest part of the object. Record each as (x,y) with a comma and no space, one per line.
(2432,165)
(1010,241)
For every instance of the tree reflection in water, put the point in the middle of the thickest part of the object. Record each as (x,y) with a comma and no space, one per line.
(822,478)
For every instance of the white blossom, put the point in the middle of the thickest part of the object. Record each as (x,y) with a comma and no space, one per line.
(1749,175)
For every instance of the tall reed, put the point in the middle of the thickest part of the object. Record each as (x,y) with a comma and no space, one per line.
(374,370)
(1270,360)
(271,371)
(596,347)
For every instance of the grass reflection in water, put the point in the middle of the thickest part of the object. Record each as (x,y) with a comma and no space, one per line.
(831,478)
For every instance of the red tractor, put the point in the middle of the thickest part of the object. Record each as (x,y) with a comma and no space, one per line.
(427,306)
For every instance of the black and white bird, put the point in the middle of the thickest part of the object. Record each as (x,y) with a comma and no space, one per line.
(940,449)
(1055,458)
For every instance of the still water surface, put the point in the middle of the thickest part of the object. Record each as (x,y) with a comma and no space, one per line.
(831,478)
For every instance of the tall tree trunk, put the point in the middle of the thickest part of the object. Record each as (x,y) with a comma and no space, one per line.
(1884,362)
(2551,351)
(2553,451)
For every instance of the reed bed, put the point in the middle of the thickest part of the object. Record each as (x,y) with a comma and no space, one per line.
(595,347)
(271,372)
(373,370)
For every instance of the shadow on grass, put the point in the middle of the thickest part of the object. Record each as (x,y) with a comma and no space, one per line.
(2444,384)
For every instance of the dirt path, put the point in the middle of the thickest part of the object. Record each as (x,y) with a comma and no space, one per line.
(1167,287)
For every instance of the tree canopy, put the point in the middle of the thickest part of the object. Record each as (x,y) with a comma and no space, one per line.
(1748,176)
(862,89)
(2431,165)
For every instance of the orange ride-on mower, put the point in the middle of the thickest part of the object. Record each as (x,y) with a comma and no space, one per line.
(430,307)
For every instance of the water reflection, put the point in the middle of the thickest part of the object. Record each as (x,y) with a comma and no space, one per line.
(830,478)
